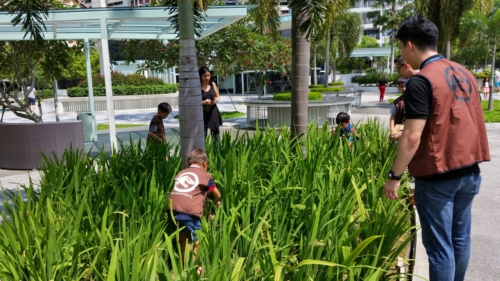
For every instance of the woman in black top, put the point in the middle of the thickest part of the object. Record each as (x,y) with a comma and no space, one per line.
(382,84)
(210,97)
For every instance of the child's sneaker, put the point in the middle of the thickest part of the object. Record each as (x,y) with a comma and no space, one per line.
(199,270)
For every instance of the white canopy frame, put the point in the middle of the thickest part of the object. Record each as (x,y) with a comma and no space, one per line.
(120,23)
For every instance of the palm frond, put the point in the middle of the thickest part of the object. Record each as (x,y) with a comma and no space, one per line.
(313,13)
(31,16)
(199,6)
(266,17)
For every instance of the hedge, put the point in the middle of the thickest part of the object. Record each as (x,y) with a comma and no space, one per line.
(125,90)
(336,83)
(329,90)
(45,94)
(288,96)
(118,78)
(373,78)
(316,86)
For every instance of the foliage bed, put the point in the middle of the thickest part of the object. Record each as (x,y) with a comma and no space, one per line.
(119,126)
(282,217)
(118,78)
(288,96)
(123,90)
(492,116)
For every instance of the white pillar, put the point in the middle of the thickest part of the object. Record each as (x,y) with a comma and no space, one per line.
(107,82)
(91,89)
(242,83)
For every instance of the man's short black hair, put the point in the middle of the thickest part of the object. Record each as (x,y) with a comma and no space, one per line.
(165,107)
(400,60)
(419,31)
(343,117)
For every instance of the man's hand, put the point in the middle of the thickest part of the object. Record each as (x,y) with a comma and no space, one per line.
(391,189)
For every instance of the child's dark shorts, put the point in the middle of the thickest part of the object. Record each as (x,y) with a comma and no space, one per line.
(190,228)
(32,101)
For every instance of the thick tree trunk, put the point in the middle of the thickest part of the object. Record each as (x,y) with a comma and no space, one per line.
(315,73)
(327,59)
(492,79)
(192,134)
(301,53)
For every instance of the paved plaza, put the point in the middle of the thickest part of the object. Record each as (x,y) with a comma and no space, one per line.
(485,256)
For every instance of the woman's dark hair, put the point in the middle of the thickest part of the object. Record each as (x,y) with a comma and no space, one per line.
(343,117)
(419,31)
(165,107)
(203,70)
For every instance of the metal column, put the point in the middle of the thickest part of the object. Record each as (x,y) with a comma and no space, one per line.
(107,82)
(90,88)
(242,83)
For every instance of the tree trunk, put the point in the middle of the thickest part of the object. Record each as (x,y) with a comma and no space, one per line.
(192,134)
(315,73)
(56,101)
(447,49)
(391,63)
(492,79)
(301,53)
(334,69)
(327,59)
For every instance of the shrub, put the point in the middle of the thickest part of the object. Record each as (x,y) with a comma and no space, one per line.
(336,83)
(288,96)
(316,86)
(125,90)
(329,90)
(118,78)
(45,94)
(482,75)
(374,77)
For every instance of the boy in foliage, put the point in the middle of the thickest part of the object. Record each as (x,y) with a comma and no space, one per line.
(156,128)
(192,185)
(398,113)
(345,127)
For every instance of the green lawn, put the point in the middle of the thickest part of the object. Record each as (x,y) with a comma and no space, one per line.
(225,114)
(118,126)
(492,116)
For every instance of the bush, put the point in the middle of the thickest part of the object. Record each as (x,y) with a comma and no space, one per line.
(288,96)
(316,86)
(482,75)
(374,77)
(45,94)
(336,83)
(125,90)
(329,90)
(118,78)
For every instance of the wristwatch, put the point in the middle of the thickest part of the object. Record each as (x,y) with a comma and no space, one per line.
(393,176)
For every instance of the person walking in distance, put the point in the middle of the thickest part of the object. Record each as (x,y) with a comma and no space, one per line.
(497,80)
(443,142)
(382,85)
(32,98)
(210,96)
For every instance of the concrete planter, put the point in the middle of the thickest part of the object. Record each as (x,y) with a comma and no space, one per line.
(22,144)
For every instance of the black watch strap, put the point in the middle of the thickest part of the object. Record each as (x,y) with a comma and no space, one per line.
(393,176)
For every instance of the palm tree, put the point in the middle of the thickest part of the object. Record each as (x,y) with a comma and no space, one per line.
(485,26)
(186,18)
(308,17)
(389,19)
(344,36)
(446,15)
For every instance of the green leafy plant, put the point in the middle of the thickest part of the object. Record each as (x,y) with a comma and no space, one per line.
(288,96)
(282,217)
(118,78)
(225,114)
(119,126)
(329,90)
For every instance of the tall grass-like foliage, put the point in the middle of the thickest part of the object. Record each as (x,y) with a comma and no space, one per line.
(282,217)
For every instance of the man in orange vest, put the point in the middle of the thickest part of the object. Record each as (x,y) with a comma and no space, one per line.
(443,141)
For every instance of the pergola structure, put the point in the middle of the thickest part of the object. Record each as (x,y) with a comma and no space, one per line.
(116,24)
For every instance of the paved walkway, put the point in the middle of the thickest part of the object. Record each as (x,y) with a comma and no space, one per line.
(485,256)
